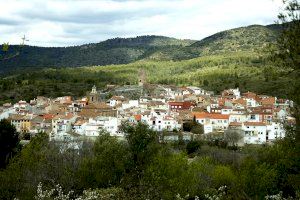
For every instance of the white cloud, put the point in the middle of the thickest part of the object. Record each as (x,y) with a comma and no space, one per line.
(73,22)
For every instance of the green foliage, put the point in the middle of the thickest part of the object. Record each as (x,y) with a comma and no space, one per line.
(142,142)
(223,175)
(107,166)
(9,142)
(171,174)
(39,161)
(193,146)
(258,180)
(5,47)
(286,53)
(250,38)
(113,51)
(193,127)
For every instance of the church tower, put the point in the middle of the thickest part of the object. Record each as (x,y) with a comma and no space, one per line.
(93,96)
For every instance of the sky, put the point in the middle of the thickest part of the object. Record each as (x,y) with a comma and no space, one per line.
(76,22)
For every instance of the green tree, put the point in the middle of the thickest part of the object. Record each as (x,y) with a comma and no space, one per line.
(232,137)
(9,141)
(197,129)
(287,53)
(142,142)
(108,164)
(193,146)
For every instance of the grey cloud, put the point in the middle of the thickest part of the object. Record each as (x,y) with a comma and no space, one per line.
(79,22)
(91,16)
(8,21)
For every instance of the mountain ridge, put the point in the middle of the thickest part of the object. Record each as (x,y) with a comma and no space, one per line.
(149,47)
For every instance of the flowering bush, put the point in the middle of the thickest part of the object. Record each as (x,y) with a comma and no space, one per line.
(58,194)
(217,195)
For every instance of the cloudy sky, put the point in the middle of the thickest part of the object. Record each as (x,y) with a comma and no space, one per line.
(75,22)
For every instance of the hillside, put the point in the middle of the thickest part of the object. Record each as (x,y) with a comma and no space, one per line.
(249,38)
(112,51)
(127,50)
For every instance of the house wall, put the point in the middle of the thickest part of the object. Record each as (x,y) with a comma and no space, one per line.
(254,134)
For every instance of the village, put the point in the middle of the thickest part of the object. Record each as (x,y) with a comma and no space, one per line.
(259,119)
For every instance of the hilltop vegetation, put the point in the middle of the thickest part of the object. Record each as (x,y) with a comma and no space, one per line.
(249,38)
(127,50)
(113,51)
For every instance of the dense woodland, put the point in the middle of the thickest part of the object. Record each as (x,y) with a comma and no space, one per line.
(141,168)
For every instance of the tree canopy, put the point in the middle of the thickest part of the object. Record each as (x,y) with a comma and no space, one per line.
(9,141)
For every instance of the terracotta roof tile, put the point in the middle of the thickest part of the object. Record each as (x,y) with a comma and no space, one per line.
(203,115)
(138,117)
(254,124)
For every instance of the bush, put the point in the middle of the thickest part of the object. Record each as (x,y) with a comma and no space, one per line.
(193,146)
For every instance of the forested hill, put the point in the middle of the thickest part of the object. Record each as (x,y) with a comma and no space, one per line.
(239,39)
(127,50)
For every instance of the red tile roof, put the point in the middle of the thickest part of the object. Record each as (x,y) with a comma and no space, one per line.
(268,101)
(250,95)
(138,117)
(235,124)
(241,101)
(254,124)
(203,115)
(48,116)
(184,105)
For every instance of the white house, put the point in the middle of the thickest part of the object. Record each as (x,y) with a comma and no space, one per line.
(22,107)
(251,102)
(254,117)
(115,100)
(255,132)
(5,112)
(275,131)
(196,90)
(226,110)
(130,104)
(160,123)
(93,127)
(236,117)
(218,122)
(62,126)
